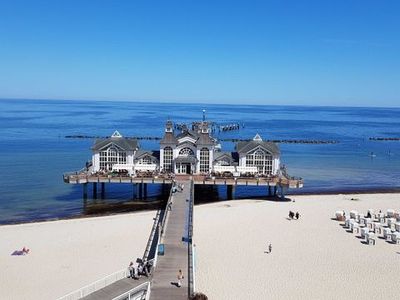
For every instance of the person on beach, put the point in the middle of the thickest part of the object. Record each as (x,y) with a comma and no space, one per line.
(170,205)
(180,277)
(270,248)
(297,215)
(25,251)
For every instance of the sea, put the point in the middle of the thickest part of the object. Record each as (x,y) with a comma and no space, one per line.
(34,150)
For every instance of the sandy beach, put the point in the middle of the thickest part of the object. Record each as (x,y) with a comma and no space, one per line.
(312,258)
(69,254)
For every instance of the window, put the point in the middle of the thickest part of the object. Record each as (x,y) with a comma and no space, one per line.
(168,159)
(204,160)
(145,160)
(110,157)
(260,159)
(186,152)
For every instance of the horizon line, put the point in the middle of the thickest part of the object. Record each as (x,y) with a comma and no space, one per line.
(166,101)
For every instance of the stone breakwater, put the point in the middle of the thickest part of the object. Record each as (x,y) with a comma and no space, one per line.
(154,138)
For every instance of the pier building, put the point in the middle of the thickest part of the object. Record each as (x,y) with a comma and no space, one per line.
(184,151)
(190,152)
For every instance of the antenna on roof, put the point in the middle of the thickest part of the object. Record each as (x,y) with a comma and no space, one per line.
(204,115)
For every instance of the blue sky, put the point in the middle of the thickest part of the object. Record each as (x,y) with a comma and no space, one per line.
(331,52)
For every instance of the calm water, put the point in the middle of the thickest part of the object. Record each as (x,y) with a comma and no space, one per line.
(34,152)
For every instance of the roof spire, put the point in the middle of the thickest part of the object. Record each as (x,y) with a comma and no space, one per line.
(257,138)
(116,134)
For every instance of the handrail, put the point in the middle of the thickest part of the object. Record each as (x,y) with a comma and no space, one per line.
(133,292)
(95,286)
(191,278)
(165,215)
(152,234)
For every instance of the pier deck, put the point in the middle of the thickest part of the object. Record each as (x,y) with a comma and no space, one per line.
(117,288)
(176,253)
(82,178)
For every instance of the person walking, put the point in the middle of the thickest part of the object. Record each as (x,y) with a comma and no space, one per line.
(297,215)
(131,269)
(180,277)
(270,248)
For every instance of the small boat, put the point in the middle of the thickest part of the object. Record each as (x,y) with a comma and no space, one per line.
(372,154)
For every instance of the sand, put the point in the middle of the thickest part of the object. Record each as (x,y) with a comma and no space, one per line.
(312,258)
(66,255)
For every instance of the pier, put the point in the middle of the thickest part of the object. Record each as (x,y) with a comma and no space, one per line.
(273,185)
(172,231)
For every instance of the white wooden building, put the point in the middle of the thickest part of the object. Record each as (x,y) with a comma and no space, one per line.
(190,151)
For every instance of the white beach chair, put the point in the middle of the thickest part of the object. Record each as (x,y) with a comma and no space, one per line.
(396,237)
(377,227)
(353,214)
(387,234)
(364,232)
(397,226)
(370,238)
(391,222)
(339,215)
(355,228)
(381,218)
(390,213)
(369,223)
(347,222)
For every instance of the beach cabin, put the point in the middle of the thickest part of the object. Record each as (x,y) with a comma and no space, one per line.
(114,153)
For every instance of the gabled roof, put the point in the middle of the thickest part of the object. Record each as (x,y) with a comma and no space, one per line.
(231,156)
(169,139)
(121,142)
(246,147)
(205,139)
(220,155)
(143,153)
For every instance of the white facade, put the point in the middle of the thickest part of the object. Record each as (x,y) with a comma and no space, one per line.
(189,152)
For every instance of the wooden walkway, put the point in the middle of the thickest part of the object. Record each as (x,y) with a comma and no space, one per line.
(117,288)
(175,258)
(176,253)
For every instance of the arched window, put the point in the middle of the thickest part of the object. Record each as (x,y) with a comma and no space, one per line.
(204,160)
(260,159)
(186,152)
(167,166)
(111,156)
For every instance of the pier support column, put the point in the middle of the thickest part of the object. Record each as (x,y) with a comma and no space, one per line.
(275,190)
(283,191)
(140,190)
(233,192)
(134,191)
(229,192)
(103,190)
(269,191)
(94,190)
(145,190)
(84,189)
